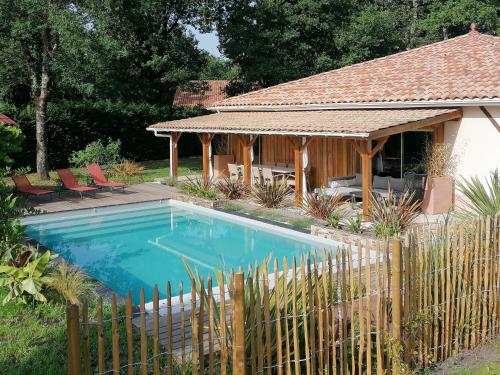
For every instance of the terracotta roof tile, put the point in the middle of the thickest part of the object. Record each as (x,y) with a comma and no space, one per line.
(6,120)
(207,93)
(465,67)
(345,121)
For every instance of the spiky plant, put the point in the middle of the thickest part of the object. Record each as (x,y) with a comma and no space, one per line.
(322,206)
(483,197)
(271,195)
(125,170)
(69,282)
(391,216)
(232,189)
(200,187)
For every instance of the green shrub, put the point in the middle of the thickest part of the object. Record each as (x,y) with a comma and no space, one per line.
(483,197)
(271,195)
(97,152)
(69,282)
(322,206)
(26,280)
(334,219)
(391,216)
(125,170)
(10,142)
(232,189)
(200,188)
(355,224)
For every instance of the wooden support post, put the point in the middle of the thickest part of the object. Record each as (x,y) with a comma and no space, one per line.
(366,176)
(73,332)
(298,150)
(438,134)
(175,154)
(205,140)
(247,142)
(239,325)
(396,301)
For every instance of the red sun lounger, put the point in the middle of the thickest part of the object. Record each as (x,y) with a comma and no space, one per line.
(69,182)
(100,179)
(24,186)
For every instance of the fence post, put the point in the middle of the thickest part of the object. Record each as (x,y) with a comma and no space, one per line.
(239,325)
(73,331)
(396,303)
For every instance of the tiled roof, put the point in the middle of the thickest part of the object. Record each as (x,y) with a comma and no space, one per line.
(361,122)
(205,93)
(465,67)
(6,120)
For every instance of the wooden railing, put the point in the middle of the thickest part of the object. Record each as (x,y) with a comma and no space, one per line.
(362,308)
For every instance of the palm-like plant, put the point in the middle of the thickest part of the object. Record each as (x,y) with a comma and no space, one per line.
(483,198)
(232,189)
(322,206)
(271,195)
(392,215)
(69,282)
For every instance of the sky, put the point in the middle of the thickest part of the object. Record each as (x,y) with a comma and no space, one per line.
(208,42)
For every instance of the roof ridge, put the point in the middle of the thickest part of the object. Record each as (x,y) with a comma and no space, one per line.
(472,33)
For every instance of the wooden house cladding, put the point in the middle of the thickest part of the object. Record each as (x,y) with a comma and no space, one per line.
(328,157)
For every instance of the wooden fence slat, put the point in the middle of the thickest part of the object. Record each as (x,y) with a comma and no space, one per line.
(319,313)
(130,332)
(115,335)
(170,345)
(194,330)
(73,344)
(343,298)
(183,328)
(100,338)
(360,309)
(296,348)
(486,287)
(252,322)
(368,309)
(326,311)
(286,317)
(144,339)
(211,322)
(200,326)
(378,318)
(277,301)
(85,339)
(307,352)
(258,312)
(352,293)
(239,324)
(222,322)
(312,320)
(156,332)
(331,284)
(267,318)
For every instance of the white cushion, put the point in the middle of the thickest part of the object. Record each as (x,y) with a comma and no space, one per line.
(358,180)
(380,182)
(397,184)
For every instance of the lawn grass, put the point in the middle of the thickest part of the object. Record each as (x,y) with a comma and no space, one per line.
(152,169)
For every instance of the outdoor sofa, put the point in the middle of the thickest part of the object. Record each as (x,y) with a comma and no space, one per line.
(351,186)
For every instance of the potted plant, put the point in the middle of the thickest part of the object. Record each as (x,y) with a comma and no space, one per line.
(222,156)
(439,185)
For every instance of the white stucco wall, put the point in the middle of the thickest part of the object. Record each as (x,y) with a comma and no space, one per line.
(475,142)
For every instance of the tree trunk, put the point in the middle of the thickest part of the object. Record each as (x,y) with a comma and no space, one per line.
(42,167)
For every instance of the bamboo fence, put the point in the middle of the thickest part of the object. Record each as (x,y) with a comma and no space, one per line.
(371,308)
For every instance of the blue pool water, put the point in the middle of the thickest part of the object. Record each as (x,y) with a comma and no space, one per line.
(137,246)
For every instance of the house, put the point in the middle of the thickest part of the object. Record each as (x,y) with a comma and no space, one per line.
(6,120)
(201,94)
(339,122)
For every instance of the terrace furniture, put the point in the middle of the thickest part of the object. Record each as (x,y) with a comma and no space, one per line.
(23,185)
(70,183)
(256,175)
(347,185)
(101,180)
(234,172)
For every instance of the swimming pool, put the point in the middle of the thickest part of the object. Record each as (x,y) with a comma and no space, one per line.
(136,246)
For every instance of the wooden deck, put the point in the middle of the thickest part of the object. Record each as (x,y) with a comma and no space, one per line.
(67,201)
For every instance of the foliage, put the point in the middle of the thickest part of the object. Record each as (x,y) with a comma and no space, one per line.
(322,206)
(355,223)
(483,197)
(218,68)
(200,187)
(70,283)
(125,170)
(26,280)
(334,219)
(271,195)
(391,216)
(274,43)
(97,152)
(437,160)
(231,189)
(10,142)
(11,229)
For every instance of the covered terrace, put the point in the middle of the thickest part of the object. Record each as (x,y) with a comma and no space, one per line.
(335,142)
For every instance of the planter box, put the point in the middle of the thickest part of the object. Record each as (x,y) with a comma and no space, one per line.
(438,196)
(220,165)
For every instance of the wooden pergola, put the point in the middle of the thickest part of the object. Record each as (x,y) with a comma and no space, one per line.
(365,130)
